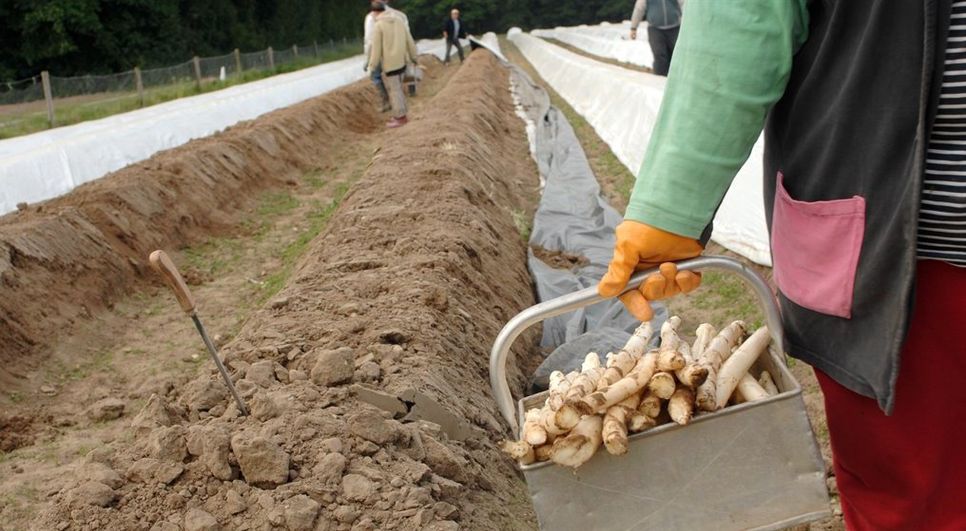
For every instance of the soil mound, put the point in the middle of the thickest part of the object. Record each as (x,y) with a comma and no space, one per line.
(72,257)
(367,374)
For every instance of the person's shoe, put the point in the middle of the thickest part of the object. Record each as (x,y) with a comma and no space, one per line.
(397,122)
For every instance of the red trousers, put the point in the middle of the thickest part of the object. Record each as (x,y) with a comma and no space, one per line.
(907,471)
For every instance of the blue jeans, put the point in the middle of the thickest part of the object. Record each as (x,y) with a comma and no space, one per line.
(376,77)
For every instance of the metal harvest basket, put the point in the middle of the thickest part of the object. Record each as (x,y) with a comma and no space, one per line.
(750,466)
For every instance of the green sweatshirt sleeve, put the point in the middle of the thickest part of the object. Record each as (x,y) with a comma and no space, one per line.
(731,64)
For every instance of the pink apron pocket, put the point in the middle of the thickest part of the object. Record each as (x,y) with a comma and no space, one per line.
(815,250)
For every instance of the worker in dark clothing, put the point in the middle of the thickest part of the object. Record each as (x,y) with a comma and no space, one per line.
(663,22)
(453,32)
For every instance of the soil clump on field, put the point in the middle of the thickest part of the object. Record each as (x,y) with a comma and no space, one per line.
(559,259)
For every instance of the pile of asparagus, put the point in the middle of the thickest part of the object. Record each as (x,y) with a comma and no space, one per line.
(639,389)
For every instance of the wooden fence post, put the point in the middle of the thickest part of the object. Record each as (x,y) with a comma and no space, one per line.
(48,96)
(197,62)
(295,50)
(271,58)
(238,66)
(139,84)
(315,46)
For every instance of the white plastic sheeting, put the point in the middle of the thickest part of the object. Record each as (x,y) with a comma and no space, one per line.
(490,42)
(51,163)
(611,42)
(622,107)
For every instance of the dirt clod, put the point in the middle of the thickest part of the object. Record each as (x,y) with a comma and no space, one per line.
(444,461)
(234,503)
(262,462)
(300,512)
(369,372)
(168,444)
(356,487)
(333,367)
(371,426)
(559,259)
(91,493)
(198,520)
(330,468)
(215,445)
(102,473)
(16,431)
(443,525)
(281,302)
(261,373)
(156,413)
(106,409)
(203,394)
(445,510)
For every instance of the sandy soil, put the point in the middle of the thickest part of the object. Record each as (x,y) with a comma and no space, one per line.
(70,258)
(364,315)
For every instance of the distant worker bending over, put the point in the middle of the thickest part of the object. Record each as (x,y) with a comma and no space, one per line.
(392,48)
(663,22)
(452,33)
(863,105)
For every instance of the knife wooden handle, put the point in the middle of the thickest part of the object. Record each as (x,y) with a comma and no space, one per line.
(169,272)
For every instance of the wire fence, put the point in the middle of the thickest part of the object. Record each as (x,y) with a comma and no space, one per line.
(45,101)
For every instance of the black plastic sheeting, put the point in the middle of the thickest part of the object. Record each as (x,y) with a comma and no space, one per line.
(574,218)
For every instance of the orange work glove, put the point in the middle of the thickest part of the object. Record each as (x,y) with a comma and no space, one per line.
(640,246)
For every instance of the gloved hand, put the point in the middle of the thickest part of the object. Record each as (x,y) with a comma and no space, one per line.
(640,246)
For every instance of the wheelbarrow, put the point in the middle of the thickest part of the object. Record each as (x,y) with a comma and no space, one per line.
(754,465)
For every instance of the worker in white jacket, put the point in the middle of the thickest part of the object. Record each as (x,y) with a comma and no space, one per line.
(393,49)
(375,74)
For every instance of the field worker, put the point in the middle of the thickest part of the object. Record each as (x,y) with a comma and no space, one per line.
(863,105)
(663,21)
(453,31)
(398,12)
(393,48)
(375,74)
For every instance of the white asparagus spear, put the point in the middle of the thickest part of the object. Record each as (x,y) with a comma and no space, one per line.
(750,389)
(766,381)
(713,356)
(669,359)
(738,363)
(580,444)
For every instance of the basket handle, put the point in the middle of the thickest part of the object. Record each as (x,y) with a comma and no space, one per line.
(585,297)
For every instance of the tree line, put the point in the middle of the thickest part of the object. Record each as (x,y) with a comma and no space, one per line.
(74,37)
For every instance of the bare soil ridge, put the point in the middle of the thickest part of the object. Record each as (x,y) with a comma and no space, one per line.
(399,297)
(72,257)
